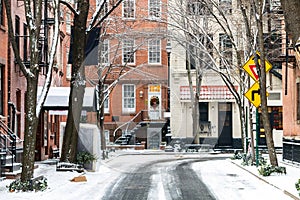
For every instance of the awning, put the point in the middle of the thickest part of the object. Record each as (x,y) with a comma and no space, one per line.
(58,98)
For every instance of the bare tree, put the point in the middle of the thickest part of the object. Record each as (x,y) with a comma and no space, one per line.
(201,21)
(34,16)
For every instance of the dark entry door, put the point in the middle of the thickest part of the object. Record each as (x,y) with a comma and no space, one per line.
(225,124)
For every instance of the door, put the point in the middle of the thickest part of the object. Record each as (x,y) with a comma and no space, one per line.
(225,124)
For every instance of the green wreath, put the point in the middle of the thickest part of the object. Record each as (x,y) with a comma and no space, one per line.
(154,99)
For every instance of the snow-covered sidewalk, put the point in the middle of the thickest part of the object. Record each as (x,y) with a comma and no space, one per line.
(60,185)
(286,183)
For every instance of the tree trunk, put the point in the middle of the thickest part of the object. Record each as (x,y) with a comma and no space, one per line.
(77,86)
(31,124)
(262,83)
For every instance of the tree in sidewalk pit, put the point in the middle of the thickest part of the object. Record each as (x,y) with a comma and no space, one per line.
(195,30)
(81,29)
(33,106)
(258,10)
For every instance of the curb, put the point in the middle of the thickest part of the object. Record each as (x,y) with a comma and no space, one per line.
(260,178)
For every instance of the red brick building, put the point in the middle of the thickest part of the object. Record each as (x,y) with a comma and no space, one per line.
(135,39)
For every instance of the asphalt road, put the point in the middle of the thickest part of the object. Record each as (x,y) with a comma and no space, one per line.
(163,179)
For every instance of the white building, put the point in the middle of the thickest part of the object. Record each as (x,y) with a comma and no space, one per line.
(219,113)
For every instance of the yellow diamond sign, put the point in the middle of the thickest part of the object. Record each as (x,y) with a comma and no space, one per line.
(250,66)
(253,94)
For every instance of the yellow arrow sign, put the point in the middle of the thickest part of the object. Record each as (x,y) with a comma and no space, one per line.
(250,66)
(253,94)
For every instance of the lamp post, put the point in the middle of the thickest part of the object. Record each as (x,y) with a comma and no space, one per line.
(168,131)
(169,49)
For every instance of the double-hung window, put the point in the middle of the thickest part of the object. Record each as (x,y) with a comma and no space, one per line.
(129,9)
(226,6)
(154,8)
(105,52)
(106,100)
(225,50)
(128,100)
(154,51)
(128,51)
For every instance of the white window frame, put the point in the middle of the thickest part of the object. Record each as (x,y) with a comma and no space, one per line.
(129,8)
(107,136)
(106,101)
(68,22)
(125,107)
(154,9)
(105,52)
(154,51)
(128,49)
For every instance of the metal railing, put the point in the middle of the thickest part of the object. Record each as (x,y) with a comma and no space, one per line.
(8,141)
(131,124)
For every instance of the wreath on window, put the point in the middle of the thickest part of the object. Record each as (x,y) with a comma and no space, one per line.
(154,101)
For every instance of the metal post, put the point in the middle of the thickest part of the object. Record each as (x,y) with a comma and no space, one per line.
(246,129)
(257,136)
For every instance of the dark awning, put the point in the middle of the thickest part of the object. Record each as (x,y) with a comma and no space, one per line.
(91,48)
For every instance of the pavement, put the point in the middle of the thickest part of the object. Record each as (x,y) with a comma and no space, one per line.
(284,182)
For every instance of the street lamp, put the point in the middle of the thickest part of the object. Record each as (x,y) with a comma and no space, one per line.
(169,49)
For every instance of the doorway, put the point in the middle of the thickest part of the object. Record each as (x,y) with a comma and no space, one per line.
(225,124)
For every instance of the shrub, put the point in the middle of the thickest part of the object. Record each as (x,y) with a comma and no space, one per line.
(297,185)
(267,170)
(85,157)
(30,185)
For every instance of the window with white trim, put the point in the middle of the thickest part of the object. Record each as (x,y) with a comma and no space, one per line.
(129,9)
(105,52)
(128,51)
(68,23)
(106,101)
(107,137)
(225,49)
(154,51)
(154,8)
(226,6)
(128,100)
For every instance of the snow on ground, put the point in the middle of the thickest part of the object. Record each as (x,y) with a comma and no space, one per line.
(220,176)
(229,181)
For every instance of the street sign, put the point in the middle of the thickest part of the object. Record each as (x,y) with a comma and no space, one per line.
(250,66)
(253,94)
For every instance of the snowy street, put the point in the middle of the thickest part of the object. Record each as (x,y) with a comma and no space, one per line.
(154,176)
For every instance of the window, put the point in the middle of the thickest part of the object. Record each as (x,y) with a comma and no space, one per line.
(225,50)
(17,31)
(200,51)
(154,52)
(106,101)
(128,9)
(105,52)
(198,7)
(68,22)
(298,101)
(190,61)
(107,136)
(1,89)
(128,93)
(226,6)
(2,17)
(203,111)
(154,9)
(25,43)
(128,52)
